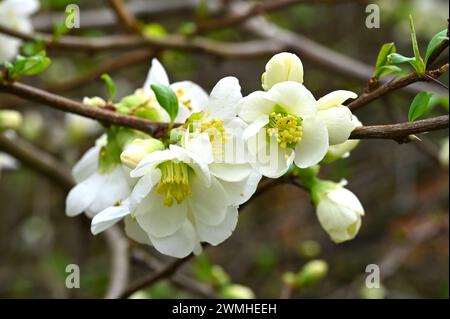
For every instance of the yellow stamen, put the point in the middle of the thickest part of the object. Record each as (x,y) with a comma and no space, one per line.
(174,183)
(286,128)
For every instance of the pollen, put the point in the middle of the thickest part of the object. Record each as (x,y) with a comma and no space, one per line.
(286,128)
(174,183)
(180,93)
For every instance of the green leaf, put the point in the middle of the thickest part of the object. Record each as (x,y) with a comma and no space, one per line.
(396,58)
(167,99)
(33,47)
(109,85)
(388,69)
(435,42)
(419,106)
(30,65)
(420,64)
(382,59)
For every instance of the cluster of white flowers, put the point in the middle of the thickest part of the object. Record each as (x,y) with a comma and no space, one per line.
(15,14)
(185,188)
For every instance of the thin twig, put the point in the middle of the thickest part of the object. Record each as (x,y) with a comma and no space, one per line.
(127,21)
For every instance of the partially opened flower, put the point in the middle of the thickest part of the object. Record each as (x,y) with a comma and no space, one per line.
(337,117)
(339,211)
(191,96)
(284,127)
(102,180)
(15,14)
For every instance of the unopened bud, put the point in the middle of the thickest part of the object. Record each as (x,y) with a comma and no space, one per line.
(235,291)
(312,272)
(9,119)
(138,149)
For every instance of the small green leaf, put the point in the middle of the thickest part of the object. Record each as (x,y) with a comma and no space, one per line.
(396,58)
(435,42)
(388,69)
(30,65)
(33,47)
(109,85)
(419,106)
(167,99)
(420,64)
(382,59)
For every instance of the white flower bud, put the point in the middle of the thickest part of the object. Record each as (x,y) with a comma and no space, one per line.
(339,211)
(138,149)
(94,101)
(10,119)
(282,67)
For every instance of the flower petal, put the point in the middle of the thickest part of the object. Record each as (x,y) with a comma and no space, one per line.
(135,232)
(160,220)
(256,126)
(83,194)
(339,123)
(240,192)
(191,94)
(294,98)
(314,143)
(87,165)
(156,75)
(335,98)
(143,187)
(254,105)
(282,67)
(108,217)
(230,172)
(180,244)
(224,98)
(214,235)
(208,204)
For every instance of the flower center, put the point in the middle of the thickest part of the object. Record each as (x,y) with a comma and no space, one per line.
(286,128)
(174,183)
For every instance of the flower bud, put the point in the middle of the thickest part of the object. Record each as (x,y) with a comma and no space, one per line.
(235,291)
(135,151)
(282,67)
(339,211)
(94,101)
(312,272)
(10,119)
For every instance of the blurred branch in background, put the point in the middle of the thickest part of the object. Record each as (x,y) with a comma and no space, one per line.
(126,20)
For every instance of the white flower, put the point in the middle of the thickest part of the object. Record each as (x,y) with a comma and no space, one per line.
(284,128)
(177,203)
(282,67)
(339,211)
(97,190)
(15,14)
(7,162)
(340,151)
(337,117)
(191,96)
(443,153)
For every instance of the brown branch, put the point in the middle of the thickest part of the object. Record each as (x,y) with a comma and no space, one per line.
(67,105)
(152,278)
(400,131)
(116,63)
(393,85)
(248,49)
(124,17)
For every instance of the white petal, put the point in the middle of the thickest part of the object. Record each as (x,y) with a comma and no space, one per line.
(200,144)
(108,217)
(254,105)
(83,194)
(191,94)
(240,192)
(115,187)
(21,8)
(335,98)
(143,187)
(224,98)
(230,172)
(156,75)
(314,143)
(149,162)
(256,126)
(234,149)
(180,244)
(346,198)
(160,220)
(282,67)
(135,232)
(339,123)
(87,165)
(217,234)
(182,115)
(294,98)
(208,204)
